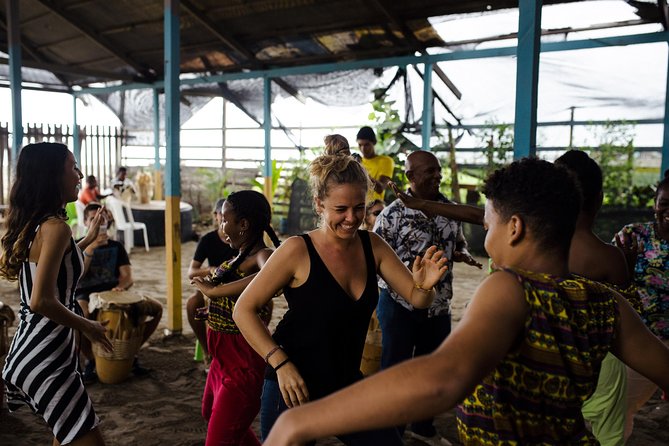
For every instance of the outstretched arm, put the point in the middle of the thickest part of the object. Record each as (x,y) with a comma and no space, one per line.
(460,212)
(640,349)
(424,386)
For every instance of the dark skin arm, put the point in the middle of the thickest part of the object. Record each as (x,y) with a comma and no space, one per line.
(460,212)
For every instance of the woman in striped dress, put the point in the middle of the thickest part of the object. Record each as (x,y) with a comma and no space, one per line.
(41,368)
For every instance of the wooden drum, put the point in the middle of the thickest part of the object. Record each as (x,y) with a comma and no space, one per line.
(125,312)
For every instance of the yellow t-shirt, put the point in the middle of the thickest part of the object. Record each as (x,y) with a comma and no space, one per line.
(380,165)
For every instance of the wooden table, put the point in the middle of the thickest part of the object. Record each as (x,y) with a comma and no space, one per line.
(152,214)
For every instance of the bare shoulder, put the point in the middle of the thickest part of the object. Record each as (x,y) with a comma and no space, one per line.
(292,246)
(55,227)
(377,241)
(501,289)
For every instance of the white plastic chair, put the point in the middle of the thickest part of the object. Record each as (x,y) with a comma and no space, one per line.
(127,225)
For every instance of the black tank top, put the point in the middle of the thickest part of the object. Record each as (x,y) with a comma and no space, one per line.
(323,332)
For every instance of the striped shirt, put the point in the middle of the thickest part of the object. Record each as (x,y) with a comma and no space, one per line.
(42,366)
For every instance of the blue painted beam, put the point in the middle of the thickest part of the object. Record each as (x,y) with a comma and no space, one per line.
(172,97)
(267,126)
(14,44)
(527,78)
(665,140)
(156,128)
(76,141)
(634,39)
(426,129)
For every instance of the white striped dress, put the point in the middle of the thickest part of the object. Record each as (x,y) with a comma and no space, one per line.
(42,366)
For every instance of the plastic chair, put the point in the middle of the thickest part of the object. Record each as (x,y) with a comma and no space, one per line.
(119,210)
(76,223)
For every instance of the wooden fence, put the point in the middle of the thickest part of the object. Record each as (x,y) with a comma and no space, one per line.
(100,150)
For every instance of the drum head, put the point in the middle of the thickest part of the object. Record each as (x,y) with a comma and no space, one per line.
(106,298)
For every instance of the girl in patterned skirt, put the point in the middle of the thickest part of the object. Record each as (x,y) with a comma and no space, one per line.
(232,392)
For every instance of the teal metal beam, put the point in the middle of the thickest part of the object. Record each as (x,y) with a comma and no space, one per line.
(267,126)
(14,43)
(156,128)
(635,39)
(172,96)
(527,78)
(76,141)
(665,139)
(426,129)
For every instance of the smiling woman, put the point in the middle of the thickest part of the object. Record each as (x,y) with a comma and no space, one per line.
(40,251)
(329,279)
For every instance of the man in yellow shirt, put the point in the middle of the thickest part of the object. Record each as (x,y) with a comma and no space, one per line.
(379,167)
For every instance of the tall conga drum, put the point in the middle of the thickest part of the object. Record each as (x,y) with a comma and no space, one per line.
(125,330)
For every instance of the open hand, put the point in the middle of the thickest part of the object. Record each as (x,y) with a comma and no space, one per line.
(629,244)
(429,269)
(97,332)
(407,200)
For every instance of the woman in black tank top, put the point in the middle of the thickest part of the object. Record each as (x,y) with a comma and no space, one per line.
(328,277)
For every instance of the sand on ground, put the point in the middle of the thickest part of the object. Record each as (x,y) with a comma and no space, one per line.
(163,408)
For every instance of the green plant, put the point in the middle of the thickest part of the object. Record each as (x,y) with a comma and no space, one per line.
(276,176)
(214,182)
(498,141)
(615,156)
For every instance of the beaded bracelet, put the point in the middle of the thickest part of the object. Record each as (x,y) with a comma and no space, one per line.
(281,364)
(271,352)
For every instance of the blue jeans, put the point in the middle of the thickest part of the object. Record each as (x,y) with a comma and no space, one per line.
(406,334)
(272,404)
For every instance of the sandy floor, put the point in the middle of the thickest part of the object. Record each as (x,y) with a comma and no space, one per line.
(164,408)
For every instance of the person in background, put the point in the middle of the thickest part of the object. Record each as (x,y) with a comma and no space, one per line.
(91,192)
(407,331)
(213,248)
(374,208)
(110,270)
(527,351)
(231,397)
(590,257)
(121,185)
(328,277)
(42,367)
(651,277)
(380,167)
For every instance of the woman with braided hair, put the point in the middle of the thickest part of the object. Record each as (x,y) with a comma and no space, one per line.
(232,392)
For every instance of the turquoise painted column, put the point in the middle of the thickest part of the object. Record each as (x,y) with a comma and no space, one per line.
(665,140)
(426,130)
(156,129)
(172,174)
(527,78)
(14,39)
(267,127)
(76,143)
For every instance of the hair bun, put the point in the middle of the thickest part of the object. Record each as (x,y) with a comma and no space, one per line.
(336,145)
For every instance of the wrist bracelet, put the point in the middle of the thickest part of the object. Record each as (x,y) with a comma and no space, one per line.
(281,364)
(87,254)
(271,352)
(420,288)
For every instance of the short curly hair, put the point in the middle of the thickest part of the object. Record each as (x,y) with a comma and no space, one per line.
(544,195)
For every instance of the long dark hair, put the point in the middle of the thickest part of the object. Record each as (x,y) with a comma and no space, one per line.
(252,206)
(36,194)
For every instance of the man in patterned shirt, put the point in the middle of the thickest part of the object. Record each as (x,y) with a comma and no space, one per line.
(407,332)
